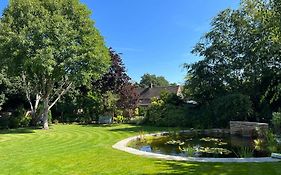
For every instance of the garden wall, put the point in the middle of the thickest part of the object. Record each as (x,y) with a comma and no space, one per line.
(246,128)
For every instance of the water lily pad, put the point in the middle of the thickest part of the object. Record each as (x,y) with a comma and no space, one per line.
(175,142)
(214,150)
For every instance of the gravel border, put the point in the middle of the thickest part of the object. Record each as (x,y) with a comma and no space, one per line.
(122,145)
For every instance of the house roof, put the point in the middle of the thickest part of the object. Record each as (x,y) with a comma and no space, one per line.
(148,93)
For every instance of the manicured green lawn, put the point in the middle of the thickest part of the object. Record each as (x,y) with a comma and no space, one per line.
(75,149)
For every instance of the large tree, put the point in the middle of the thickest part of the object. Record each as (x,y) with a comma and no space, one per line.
(148,80)
(52,45)
(117,81)
(116,77)
(241,54)
(128,99)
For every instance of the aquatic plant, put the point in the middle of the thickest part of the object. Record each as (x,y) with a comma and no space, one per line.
(174,142)
(189,150)
(174,133)
(217,141)
(215,150)
(244,152)
(210,139)
(258,144)
(141,137)
(271,142)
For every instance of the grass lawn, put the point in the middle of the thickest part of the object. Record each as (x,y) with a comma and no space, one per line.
(76,149)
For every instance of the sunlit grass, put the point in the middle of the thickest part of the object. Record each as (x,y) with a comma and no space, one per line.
(76,149)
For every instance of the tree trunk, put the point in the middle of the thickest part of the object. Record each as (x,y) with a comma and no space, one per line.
(45,114)
(34,118)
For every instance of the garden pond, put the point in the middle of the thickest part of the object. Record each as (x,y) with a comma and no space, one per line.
(215,145)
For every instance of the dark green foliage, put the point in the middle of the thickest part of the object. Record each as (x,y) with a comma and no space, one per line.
(241,54)
(233,107)
(4,85)
(66,110)
(4,121)
(142,111)
(12,101)
(17,118)
(169,110)
(11,92)
(276,122)
(148,80)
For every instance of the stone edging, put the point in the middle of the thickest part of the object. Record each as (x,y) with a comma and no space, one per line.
(122,145)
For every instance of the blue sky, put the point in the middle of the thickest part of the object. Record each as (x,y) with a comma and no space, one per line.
(154,36)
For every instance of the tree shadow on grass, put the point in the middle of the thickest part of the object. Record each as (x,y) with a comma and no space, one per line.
(133,128)
(194,168)
(98,125)
(126,127)
(139,128)
(18,131)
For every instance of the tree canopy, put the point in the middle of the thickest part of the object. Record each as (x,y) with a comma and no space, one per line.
(241,54)
(115,78)
(112,94)
(51,45)
(118,82)
(148,80)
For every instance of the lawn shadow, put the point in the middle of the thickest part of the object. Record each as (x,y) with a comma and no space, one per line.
(192,168)
(18,131)
(177,168)
(132,128)
(139,128)
(98,125)
(196,168)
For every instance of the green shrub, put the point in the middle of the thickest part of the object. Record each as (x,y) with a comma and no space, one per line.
(173,116)
(4,121)
(271,142)
(167,111)
(142,111)
(276,122)
(50,116)
(267,140)
(119,119)
(19,118)
(56,122)
(154,112)
(25,121)
(138,120)
(233,107)
(170,110)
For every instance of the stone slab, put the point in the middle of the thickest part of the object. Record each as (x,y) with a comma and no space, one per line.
(276,155)
(246,129)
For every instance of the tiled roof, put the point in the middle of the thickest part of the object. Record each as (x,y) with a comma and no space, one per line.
(148,93)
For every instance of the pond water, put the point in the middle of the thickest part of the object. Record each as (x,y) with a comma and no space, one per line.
(200,145)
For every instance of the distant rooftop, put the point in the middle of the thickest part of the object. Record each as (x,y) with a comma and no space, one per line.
(146,94)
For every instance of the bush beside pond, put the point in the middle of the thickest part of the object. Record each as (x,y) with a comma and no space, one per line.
(171,110)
